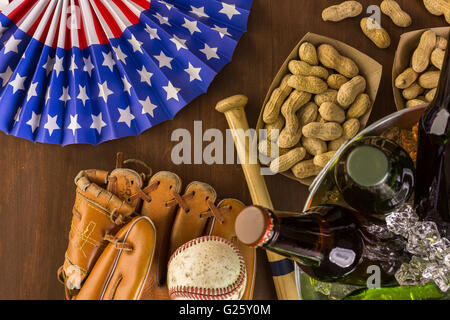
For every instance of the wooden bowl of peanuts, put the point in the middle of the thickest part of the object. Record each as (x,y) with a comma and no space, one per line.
(322,96)
(417,64)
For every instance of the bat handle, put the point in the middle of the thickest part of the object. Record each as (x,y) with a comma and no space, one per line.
(234,110)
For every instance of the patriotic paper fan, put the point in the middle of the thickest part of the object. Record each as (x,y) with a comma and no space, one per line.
(89,71)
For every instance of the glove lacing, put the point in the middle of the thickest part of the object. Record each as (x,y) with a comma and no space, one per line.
(119,245)
(180,200)
(213,211)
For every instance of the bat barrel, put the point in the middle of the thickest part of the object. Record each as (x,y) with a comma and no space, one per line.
(234,110)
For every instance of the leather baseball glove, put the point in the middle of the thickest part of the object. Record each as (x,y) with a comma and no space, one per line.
(104,204)
(126,225)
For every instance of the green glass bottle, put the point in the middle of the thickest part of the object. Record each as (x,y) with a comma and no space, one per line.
(425,292)
(375,175)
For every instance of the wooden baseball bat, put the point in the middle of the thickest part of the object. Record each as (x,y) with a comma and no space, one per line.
(282,268)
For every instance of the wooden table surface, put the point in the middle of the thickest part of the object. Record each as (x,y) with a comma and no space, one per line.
(38,192)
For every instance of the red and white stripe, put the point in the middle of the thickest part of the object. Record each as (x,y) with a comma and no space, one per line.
(97,21)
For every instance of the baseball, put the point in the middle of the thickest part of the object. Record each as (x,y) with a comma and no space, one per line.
(207,268)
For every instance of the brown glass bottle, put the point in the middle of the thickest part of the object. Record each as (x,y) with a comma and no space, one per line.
(432,191)
(329,243)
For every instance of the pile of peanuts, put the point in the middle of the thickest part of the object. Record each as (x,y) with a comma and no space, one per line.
(316,108)
(420,80)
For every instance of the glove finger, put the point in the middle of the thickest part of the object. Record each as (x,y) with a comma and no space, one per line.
(122,269)
(99,177)
(159,192)
(190,220)
(223,227)
(125,183)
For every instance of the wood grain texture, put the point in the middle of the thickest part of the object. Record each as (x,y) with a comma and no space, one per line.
(38,190)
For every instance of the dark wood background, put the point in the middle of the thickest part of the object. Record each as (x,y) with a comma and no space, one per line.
(37,190)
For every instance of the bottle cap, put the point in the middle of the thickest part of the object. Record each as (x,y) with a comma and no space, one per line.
(367,165)
(254,226)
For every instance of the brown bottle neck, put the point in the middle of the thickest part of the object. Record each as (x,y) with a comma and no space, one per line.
(442,97)
(299,237)
(269,235)
(305,227)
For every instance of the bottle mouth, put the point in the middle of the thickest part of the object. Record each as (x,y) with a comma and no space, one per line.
(254,226)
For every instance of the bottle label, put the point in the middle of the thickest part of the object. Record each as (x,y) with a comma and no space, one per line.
(342,257)
(439,126)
